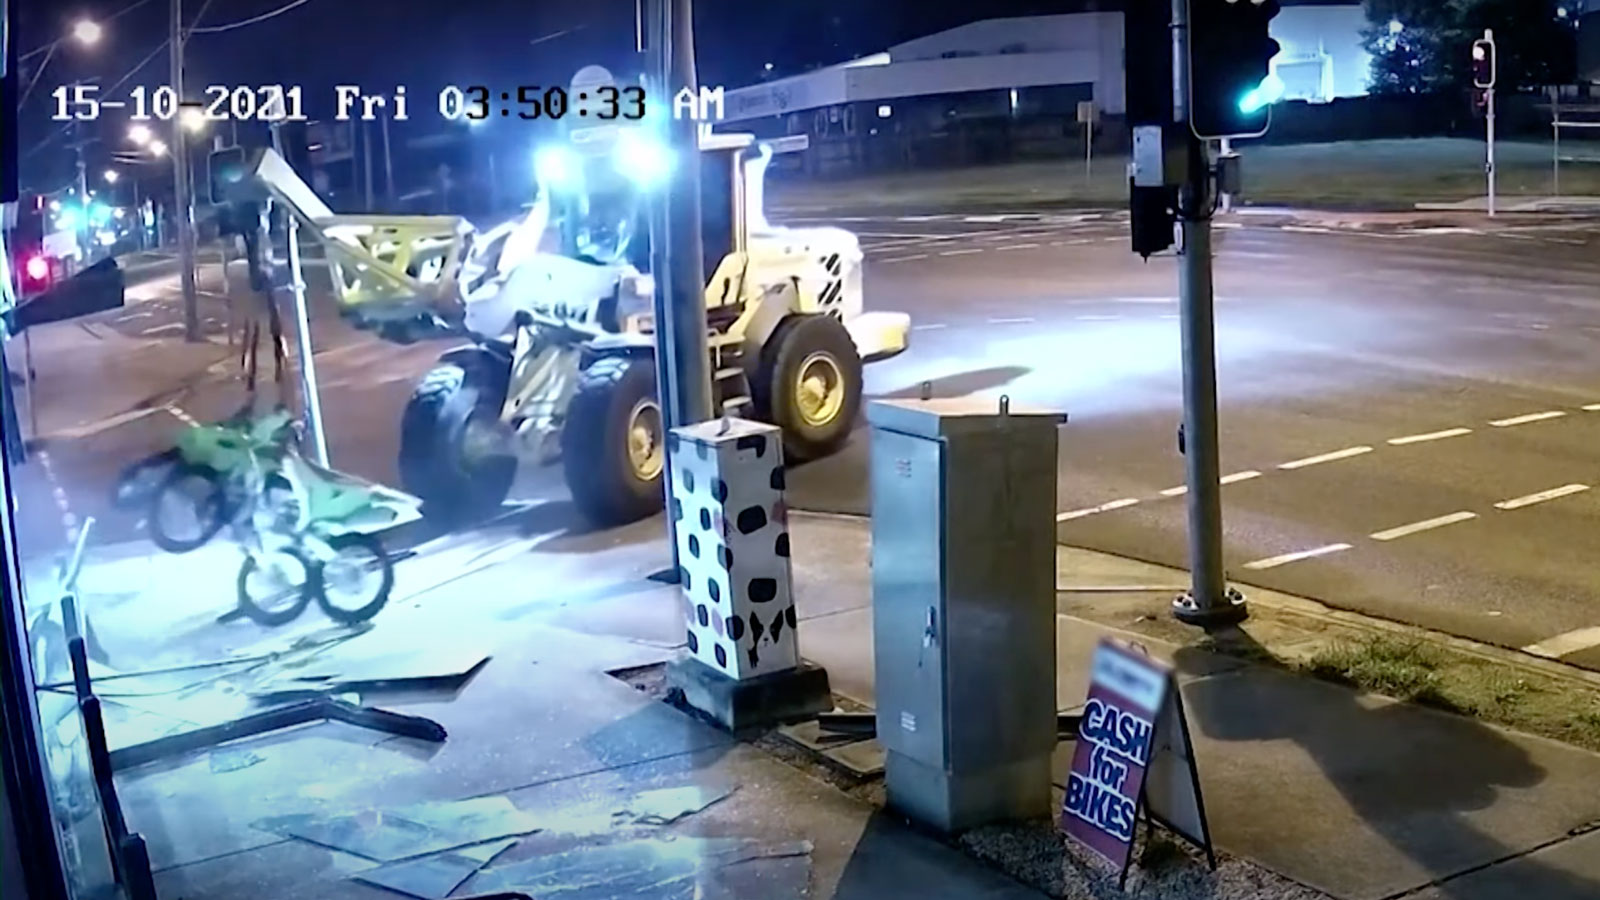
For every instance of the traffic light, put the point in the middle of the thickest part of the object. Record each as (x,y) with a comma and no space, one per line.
(1231,83)
(37,276)
(227,168)
(1484,66)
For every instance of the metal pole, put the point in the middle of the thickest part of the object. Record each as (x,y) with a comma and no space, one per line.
(84,243)
(1088,151)
(1209,600)
(1555,125)
(181,191)
(688,392)
(388,162)
(310,401)
(1225,203)
(1490,167)
(366,153)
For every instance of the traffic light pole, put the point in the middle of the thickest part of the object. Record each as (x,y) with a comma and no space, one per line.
(1209,601)
(182,191)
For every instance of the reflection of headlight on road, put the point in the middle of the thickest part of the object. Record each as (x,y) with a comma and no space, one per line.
(555,167)
(645,161)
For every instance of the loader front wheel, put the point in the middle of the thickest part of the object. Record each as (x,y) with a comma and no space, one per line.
(613,445)
(455,454)
(809,385)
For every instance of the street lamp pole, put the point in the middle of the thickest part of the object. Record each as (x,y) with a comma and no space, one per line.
(183,201)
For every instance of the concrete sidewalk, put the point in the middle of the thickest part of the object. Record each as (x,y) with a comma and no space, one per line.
(1313,790)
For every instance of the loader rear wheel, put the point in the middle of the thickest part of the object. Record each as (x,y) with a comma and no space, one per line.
(455,454)
(613,445)
(809,384)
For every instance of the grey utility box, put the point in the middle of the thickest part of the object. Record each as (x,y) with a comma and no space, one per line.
(963,597)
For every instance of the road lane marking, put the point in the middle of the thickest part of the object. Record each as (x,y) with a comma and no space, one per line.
(1020,320)
(182,416)
(1272,562)
(1593,407)
(1098,318)
(1019,247)
(1430,436)
(960,252)
(1424,525)
(1235,478)
(1565,490)
(1530,417)
(890,259)
(93,428)
(1124,503)
(935,326)
(1326,457)
(1563,644)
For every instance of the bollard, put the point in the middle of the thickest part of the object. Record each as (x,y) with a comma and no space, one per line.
(743,666)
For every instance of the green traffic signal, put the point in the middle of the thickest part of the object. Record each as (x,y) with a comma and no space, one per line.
(1270,91)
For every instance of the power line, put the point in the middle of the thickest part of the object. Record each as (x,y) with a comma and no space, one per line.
(120,82)
(215,29)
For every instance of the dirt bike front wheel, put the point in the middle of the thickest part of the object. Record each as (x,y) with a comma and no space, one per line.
(276,588)
(188,509)
(355,583)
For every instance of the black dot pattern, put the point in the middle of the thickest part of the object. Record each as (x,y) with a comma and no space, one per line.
(779,546)
(705,520)
(694,642)
(694,547)
(777,627)
(725,556)
(762,590)
(735,626)
(755,442)
(789,616)
(677,510)
(751,519)
(701,450)
(688,481)
(722,657)
(700,613)
(778,479)
(714,589)
(672,442)
(719,490)
(684,580)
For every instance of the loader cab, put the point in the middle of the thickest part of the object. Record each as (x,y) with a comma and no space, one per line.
(724,225)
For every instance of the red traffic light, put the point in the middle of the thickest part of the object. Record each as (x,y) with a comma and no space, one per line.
(37,269)
(1483,64)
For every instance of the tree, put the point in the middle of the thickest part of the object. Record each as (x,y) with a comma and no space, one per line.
(1425,46)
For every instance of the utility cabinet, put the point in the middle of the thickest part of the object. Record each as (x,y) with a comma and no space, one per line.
(963,594)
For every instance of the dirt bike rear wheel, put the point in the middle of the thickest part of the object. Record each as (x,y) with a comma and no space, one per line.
(208,505)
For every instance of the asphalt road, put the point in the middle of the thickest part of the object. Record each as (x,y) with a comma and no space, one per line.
(1403,411)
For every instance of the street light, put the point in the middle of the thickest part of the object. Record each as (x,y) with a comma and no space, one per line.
(111,176)
(1396,26)
(192,119)
(159,148)
(140,134)
(87,32)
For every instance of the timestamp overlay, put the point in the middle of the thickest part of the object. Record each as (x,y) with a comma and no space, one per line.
(475,103)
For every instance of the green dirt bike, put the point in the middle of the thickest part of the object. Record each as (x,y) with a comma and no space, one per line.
(306,530)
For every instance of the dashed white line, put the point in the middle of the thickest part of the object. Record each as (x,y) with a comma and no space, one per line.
(933,326)
(1098,318)
(1019,247)
(1104,507)
(1272,562)
(1237,477)
(1020,320)
(181,416)
(1563,644)
(1593,407)
(1326,457)
(1430,436)
(960,252)
(1424,525)
(1530,417)
(890,259)
(1565,490)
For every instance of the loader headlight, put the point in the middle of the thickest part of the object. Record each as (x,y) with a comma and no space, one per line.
(556,167)
(646,161)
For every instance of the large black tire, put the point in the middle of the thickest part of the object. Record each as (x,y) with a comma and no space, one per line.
(250,605)
(798,343)
(607,487)
(434,464)
(358,545)
(210,508)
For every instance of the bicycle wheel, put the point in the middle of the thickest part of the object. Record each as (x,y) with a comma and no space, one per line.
(276,589)
(355,584)
(188,509)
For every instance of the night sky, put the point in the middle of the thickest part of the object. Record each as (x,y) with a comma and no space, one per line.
(426,45)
